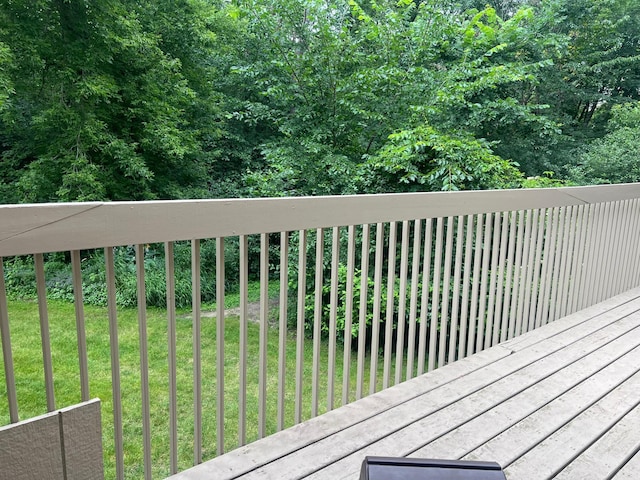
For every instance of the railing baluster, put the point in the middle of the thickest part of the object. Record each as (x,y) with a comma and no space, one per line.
(424,298)
(302,292)
(551,261)
(264,330)
(333,317)
(115,364)
(632,245)
(375,325)
(144,361)
(413,304)
(483,282)
(508,290)
(477,258)
(348,315)
(7,356)
(220,321)
(446,280)
(523,272)
(557,277)
(44,331)
(78,304)
(464,318)
(500,284)
(244,321)
(282,340)
(513,319)
(362,317)
(567,253)
(172,340)
(595,273)
(493,280)
(455,307)
(537,265)
(435,297)
(402,301)
(391,280)
(621,251)
(587,256)
(613,266)
(197,350)
(531,266)
(317,319)
(576,266)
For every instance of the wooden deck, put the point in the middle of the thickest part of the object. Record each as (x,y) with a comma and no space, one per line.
(562,401)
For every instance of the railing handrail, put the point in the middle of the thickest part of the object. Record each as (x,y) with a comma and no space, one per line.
(40,228)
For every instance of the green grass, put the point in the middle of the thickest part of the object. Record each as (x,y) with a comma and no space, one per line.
(27,356)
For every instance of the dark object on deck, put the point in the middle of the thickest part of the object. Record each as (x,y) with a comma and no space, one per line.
(388,468)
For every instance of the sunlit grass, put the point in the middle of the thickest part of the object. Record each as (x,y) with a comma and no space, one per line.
(27,357)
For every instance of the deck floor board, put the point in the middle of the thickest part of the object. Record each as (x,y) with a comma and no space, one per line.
(550,402)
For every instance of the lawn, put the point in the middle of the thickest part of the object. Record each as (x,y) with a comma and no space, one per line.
(25,336)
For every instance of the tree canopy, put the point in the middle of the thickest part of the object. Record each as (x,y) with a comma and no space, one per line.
(122,99)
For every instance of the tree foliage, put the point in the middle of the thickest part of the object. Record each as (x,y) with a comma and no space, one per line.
(116,99)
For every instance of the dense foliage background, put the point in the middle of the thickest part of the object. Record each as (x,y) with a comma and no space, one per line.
(146,99)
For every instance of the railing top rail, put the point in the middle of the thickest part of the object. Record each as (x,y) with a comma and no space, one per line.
(39,228)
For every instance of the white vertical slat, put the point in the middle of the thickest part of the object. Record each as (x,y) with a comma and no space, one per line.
(537,264)
(500,284)
(220,320)
(621,262)
(477,258)
(413,303)
(446,281)
(594,264)
(516,275)
(362,318)
(402,301)
(567,254)
(244,321)
(607,251)
(524,272)
(556,277)
(486,245)
(78,304)
(115,362)
(508,292)
(468,267)
(585,262)
(391,280)
(455,303)
(435,297)
(144,361)
(493,280)
(546,218)
(45,339)
(282,339)
(532,266)
(172,339)
(576,264)
(550,262)
(197,355)
(302,292)
(377,293)
(583,248)
(630,246)
(634,271)
(604,253)
(317,319)
(424,300)
(333,317)
(264,329)
(617,235)
(7,356)
(348,315)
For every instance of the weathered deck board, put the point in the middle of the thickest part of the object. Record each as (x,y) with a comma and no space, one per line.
(551,402)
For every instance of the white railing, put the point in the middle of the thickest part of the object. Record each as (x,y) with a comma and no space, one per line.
(462,271)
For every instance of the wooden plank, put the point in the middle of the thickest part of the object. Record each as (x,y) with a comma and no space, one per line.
(588,378)
(630,470)
(549,457)
(63,226)
(397,431)
(609,453)
(261,452)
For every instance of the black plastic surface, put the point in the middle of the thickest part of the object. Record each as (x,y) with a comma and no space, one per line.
(388,468)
